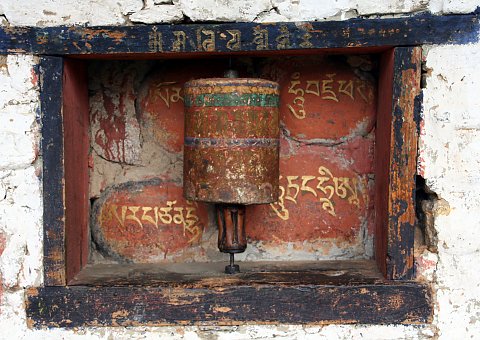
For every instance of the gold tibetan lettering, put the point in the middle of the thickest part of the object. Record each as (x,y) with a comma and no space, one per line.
(305,187)
(279,206)
(164,213)
(313,87)
(260,38)
(150,219)
(283,39)
(328,186)
(207,43)
(346,88)
(327,89)
(133,215)
(155,40)
(179,43)
(299,100)
(113,211)
(234,44)
(290,185)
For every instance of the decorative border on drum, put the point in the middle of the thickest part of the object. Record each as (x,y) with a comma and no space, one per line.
(232,99)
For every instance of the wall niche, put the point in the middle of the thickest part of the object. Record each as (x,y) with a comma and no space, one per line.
(325,210)
(122,246)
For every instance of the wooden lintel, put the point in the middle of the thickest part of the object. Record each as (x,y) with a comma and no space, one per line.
(164,40)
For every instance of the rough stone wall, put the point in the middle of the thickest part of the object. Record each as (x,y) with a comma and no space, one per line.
(449,161)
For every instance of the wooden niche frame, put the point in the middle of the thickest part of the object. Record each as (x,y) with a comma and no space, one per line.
(381,291)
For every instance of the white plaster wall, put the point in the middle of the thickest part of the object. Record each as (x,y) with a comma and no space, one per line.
(449,160)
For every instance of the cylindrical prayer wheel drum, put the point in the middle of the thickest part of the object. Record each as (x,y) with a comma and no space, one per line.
(231,149)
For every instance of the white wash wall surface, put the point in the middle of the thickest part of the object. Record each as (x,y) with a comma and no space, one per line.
(449,160)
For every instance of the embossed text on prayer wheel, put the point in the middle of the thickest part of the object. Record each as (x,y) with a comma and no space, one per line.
(231,147)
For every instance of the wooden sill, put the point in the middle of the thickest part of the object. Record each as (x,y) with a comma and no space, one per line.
(211,275)
(200,294)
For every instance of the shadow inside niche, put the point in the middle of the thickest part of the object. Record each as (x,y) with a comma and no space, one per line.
(425,200)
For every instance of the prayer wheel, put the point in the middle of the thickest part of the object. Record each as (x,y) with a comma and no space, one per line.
(231,150)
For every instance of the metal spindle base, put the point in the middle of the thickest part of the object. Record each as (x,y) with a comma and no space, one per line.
(232,268)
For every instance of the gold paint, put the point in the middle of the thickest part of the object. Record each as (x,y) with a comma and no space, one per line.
(305,187)
(56,277)
(150,219)
(184,216)
(306,41)
(180,40)
(361,87)
(346,89)
(56,256)
(299,100)
(207,44)
(32,292)
(133,217)
(234,44)
(260,38)
(3,64)
(155,40)
(283,39)
(42,38)
(328,89)
(281,212)
(328,186)
(290,180)
(30,323)
(167,93)
(316,87)
(74,43)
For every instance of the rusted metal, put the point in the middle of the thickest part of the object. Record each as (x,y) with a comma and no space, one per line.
(231,151)
(231,147)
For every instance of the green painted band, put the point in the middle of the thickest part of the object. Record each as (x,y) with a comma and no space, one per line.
(231,99)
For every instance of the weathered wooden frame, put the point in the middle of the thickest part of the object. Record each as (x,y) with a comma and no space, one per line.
(395,298)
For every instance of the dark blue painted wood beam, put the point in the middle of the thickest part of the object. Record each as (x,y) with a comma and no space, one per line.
(210,38)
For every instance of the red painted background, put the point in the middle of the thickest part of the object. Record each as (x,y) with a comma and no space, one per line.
(145,222)
(327,112)
(321,194)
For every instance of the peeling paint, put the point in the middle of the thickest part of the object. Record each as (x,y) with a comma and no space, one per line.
(447,164)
